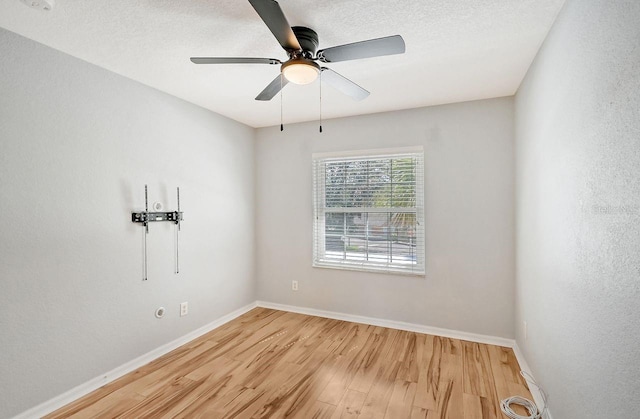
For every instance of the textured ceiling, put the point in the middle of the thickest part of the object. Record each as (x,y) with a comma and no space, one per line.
(457,50)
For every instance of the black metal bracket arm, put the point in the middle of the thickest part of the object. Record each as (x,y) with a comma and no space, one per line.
(147,217)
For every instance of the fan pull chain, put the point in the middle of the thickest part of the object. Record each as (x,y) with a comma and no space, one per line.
(320,101)
(281,123)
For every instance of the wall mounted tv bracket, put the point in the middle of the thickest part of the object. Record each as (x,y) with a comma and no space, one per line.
(147,217)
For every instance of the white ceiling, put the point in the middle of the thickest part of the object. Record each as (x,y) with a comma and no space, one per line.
(457,50)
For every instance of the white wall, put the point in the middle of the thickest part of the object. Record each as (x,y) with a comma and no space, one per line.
(78,143)
(578,206)
(469,201)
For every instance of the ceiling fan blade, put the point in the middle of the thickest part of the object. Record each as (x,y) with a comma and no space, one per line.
(273,88)
(365,49)
(233,60)
(273,17)
(343,84)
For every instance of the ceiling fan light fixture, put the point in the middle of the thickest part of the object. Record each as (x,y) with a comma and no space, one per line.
(300,70)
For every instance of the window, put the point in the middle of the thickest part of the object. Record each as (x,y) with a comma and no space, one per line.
(369,210)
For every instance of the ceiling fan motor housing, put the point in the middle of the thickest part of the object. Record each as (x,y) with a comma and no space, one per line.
(308,40)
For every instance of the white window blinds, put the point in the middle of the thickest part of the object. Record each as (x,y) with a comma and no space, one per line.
(369,211)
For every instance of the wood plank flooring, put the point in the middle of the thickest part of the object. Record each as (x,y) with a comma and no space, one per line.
(275,364)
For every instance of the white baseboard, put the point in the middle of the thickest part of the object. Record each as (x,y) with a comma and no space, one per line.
(535,391)
(410,327)
(97,382)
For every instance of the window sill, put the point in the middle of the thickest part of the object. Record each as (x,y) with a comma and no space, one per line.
(368,269)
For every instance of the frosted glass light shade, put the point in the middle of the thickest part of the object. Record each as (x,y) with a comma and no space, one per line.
(300,71)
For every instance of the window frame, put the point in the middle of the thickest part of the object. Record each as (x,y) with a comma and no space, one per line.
(319,260)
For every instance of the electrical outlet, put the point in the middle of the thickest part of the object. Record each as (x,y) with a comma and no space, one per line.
(524,325)
(184,309)
(294,285)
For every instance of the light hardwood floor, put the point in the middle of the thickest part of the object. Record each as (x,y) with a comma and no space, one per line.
(275,364)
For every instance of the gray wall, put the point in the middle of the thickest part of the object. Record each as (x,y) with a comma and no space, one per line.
(469,201)
(578,211)
(78,143)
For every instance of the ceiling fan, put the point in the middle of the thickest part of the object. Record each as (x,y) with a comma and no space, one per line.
(301,45)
